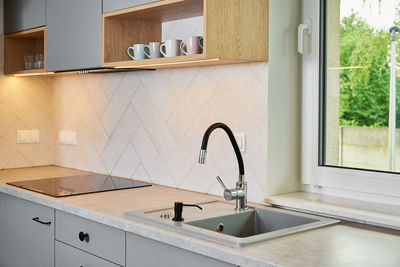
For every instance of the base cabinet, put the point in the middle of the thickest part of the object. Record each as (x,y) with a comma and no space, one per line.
(26,233)
(67,256)
(145,252)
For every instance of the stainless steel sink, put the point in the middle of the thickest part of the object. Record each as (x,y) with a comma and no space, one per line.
(218,222)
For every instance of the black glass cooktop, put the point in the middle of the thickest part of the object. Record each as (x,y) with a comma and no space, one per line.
(78,184)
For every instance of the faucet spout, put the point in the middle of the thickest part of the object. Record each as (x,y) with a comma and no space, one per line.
(240,192)
(204,144)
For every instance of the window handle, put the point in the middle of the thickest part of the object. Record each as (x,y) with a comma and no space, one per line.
(304,27)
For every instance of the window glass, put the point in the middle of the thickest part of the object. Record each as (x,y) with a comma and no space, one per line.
(355,94)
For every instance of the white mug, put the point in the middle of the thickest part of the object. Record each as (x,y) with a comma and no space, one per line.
(154,50)
(171,47)
(138,51)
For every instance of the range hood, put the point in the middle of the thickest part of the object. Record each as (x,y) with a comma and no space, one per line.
(100,70)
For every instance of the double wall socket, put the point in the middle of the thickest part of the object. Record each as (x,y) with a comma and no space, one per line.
(67,138)
(28,136)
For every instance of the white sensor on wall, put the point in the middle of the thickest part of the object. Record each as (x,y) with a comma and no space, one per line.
(67,138)
(241,141)
(28,136)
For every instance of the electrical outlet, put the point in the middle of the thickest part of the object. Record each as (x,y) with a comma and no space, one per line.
(28,136)
(241,141)
(67,138)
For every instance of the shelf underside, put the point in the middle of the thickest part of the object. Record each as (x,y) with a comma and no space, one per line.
(171,62)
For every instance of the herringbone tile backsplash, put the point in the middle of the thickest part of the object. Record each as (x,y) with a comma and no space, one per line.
(145,125)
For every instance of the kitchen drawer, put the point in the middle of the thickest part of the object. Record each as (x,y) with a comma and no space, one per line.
(103,241)
(67,256)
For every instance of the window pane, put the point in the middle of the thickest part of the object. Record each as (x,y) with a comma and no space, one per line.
(357,84)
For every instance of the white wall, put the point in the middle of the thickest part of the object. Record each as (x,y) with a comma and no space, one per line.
(25,103)
(283,98)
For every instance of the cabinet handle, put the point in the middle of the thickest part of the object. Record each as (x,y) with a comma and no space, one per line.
(41,222)
(84,237)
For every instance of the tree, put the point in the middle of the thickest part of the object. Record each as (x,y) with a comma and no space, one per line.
(364,91)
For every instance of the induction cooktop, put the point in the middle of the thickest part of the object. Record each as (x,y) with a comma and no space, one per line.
(78,184)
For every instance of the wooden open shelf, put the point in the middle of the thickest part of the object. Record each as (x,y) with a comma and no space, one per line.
(17,45)
(235,31)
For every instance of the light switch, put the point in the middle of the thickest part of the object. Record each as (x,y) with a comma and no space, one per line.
(28,136)
(67,138)
(241,141)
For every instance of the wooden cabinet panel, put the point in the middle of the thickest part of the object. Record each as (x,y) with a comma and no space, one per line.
(74,34)
(113,5)
(20,15)
(67,256)
(25,242)
(103,241)
(141,251)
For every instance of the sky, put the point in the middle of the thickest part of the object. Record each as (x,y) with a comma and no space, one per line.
(378,16)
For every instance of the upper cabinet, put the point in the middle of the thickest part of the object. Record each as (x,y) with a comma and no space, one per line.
(234,31)
(74,34)
(78,35)
(113,5)
(20,15)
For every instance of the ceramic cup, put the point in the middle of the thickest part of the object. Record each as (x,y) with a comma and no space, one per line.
(192,45)
(153,50)
(138,52)
(171,48)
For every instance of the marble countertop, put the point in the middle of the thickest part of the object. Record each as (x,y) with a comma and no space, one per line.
(338,245)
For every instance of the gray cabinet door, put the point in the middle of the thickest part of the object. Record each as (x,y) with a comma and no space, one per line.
(74,34)
(23,241)
(141,251)
(20,15)
(113,5)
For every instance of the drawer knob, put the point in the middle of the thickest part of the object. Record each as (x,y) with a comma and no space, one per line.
(84,237)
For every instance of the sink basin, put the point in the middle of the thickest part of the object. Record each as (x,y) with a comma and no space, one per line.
(252,223)
(218,222)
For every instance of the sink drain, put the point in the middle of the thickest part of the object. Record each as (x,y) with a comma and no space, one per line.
(220,228)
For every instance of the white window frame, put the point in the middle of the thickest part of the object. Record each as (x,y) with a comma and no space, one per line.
(356,184)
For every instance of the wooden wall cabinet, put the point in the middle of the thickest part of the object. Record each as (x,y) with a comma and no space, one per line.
(20,15)
(17,45)
(235,31)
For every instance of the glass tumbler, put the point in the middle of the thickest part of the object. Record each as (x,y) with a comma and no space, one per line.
(28,62)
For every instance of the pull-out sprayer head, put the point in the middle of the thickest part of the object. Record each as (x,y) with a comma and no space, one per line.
(202,156)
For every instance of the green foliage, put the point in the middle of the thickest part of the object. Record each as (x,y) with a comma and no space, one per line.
(364,92)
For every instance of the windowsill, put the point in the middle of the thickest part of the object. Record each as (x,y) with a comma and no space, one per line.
(381,215)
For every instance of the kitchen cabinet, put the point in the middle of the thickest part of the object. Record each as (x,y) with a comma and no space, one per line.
(235,31)
(20,15)
(19,44)
(74,34)
(98,239)
(26,233)
(67,256)
(113,5)
(141,251)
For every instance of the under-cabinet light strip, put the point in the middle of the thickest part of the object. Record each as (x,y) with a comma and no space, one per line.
(166,64)
(33,74)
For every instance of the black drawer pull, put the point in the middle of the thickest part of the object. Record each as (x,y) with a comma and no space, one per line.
(41,222)
(84,237)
